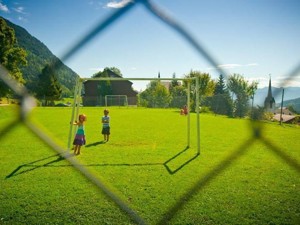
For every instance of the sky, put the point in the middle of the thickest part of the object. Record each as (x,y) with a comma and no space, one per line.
(257,39)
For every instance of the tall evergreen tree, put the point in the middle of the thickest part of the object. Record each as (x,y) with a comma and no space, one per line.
(49,87)
(221,102)
(174,83)
(220,86)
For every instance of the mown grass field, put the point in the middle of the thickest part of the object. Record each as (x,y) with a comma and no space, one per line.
(146,163)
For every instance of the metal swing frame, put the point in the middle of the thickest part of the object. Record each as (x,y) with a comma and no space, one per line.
(77,96)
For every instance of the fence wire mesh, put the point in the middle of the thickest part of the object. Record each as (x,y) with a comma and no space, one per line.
(27,104)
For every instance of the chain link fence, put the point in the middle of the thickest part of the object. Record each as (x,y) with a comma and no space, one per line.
(28,103)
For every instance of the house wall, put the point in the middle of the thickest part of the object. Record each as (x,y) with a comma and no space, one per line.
(90,88)
(92,98)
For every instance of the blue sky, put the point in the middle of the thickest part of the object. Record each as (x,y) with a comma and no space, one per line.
(254,38)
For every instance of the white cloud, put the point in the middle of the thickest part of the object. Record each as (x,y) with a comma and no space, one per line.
(19,9)
(277,81)
(232,66)
(287,81)
(3,8)
(229,66)
(262,81)
(116,5)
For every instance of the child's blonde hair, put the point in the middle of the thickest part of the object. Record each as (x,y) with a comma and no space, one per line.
(83,116)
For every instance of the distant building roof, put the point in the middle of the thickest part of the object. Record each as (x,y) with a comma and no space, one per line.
(285,118)
(285,111)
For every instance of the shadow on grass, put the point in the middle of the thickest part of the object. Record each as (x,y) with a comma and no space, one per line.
(176,160)
(31,166)
(179,165)
(172,165)
(95,144)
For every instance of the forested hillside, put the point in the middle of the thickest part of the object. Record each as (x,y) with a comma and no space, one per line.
(295,103)
(38,55)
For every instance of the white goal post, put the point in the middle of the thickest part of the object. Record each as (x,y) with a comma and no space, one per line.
(116,100)
(77,98)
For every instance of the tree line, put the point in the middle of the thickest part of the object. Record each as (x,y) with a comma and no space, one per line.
(231,97)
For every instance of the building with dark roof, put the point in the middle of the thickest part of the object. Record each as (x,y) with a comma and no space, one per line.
(92,90)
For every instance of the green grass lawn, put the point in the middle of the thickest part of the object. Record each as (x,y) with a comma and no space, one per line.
(147,165)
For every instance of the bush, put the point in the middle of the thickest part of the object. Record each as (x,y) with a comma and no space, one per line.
(204,109)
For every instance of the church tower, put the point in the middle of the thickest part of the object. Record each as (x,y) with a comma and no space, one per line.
(270,101)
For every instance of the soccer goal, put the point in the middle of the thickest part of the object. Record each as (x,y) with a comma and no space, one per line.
(77,98)
(116,100)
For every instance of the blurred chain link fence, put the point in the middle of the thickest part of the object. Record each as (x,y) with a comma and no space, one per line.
(28,103)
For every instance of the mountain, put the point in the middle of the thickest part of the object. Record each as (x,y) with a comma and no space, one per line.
(295,103)
(289,94)
(38,55)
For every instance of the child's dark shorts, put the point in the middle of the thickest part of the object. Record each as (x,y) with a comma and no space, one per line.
(106,130)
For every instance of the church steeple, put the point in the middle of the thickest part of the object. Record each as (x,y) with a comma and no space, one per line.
(269,101)
(270,88)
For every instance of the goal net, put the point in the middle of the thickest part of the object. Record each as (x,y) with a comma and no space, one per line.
(116,100)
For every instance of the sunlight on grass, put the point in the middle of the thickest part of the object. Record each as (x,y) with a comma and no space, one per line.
(148,165)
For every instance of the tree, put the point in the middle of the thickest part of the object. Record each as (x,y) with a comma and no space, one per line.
(242,91)
(178,96)
(12,57)
(104,86)
(258,113)
(156,95)
(220,87)
(161,96)
(105,71)
(206,87)
(221,102)
(174,83)
(178,93)
(49,87)
(115,70)
(251,91)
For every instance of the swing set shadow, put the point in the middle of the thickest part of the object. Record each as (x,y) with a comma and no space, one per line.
(181,164)
(32,165)
(29,167)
